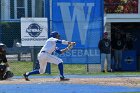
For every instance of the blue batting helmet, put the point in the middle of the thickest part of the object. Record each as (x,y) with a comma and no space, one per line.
(54,34)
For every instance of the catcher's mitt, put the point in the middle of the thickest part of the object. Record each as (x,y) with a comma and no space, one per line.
(7,75)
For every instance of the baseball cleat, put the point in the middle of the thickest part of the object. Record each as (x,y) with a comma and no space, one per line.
(64,79)
(26,77)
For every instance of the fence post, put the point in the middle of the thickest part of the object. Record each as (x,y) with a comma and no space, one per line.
(34,56)
(47,14)
(19,56)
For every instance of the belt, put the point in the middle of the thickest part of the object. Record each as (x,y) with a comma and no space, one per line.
(43,51)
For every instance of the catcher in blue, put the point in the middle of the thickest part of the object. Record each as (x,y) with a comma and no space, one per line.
(45,55)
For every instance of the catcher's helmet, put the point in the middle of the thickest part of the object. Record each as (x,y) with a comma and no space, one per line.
(54,34)
(2,45)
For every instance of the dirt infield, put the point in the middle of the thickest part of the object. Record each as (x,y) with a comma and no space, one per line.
(117,81)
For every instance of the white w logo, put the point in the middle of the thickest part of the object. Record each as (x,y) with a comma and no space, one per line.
(78,15)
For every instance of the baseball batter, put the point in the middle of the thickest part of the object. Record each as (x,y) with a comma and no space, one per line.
(45,55)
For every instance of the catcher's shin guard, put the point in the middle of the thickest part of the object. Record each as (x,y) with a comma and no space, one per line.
(2,71)
(8,74)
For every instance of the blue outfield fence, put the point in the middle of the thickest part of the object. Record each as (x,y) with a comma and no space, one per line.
(80,21)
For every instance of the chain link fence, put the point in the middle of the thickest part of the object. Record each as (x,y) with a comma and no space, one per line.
(21,59)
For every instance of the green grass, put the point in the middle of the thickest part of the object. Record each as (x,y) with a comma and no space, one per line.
(19,68)
(70,69)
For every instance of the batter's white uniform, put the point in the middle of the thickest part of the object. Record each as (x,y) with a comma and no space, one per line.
(45,54)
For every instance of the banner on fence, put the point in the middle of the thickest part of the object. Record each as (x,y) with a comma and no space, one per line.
(34,31)
(80,21)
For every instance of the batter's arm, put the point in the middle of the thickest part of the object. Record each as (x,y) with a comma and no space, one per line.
(64,42)
(62,50)
(69,47)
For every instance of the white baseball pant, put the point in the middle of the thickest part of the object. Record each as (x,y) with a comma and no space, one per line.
(44,58)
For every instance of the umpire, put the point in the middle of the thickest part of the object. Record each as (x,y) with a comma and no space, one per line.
(5,72)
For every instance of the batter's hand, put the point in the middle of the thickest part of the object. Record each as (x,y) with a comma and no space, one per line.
(71,45)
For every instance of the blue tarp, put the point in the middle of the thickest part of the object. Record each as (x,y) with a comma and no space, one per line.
(64,88)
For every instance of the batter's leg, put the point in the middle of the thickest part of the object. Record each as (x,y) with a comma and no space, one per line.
(59,62)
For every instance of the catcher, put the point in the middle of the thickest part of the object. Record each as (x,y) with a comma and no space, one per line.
(45,55)
(5,72)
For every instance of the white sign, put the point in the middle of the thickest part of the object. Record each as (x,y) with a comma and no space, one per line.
(34,31)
